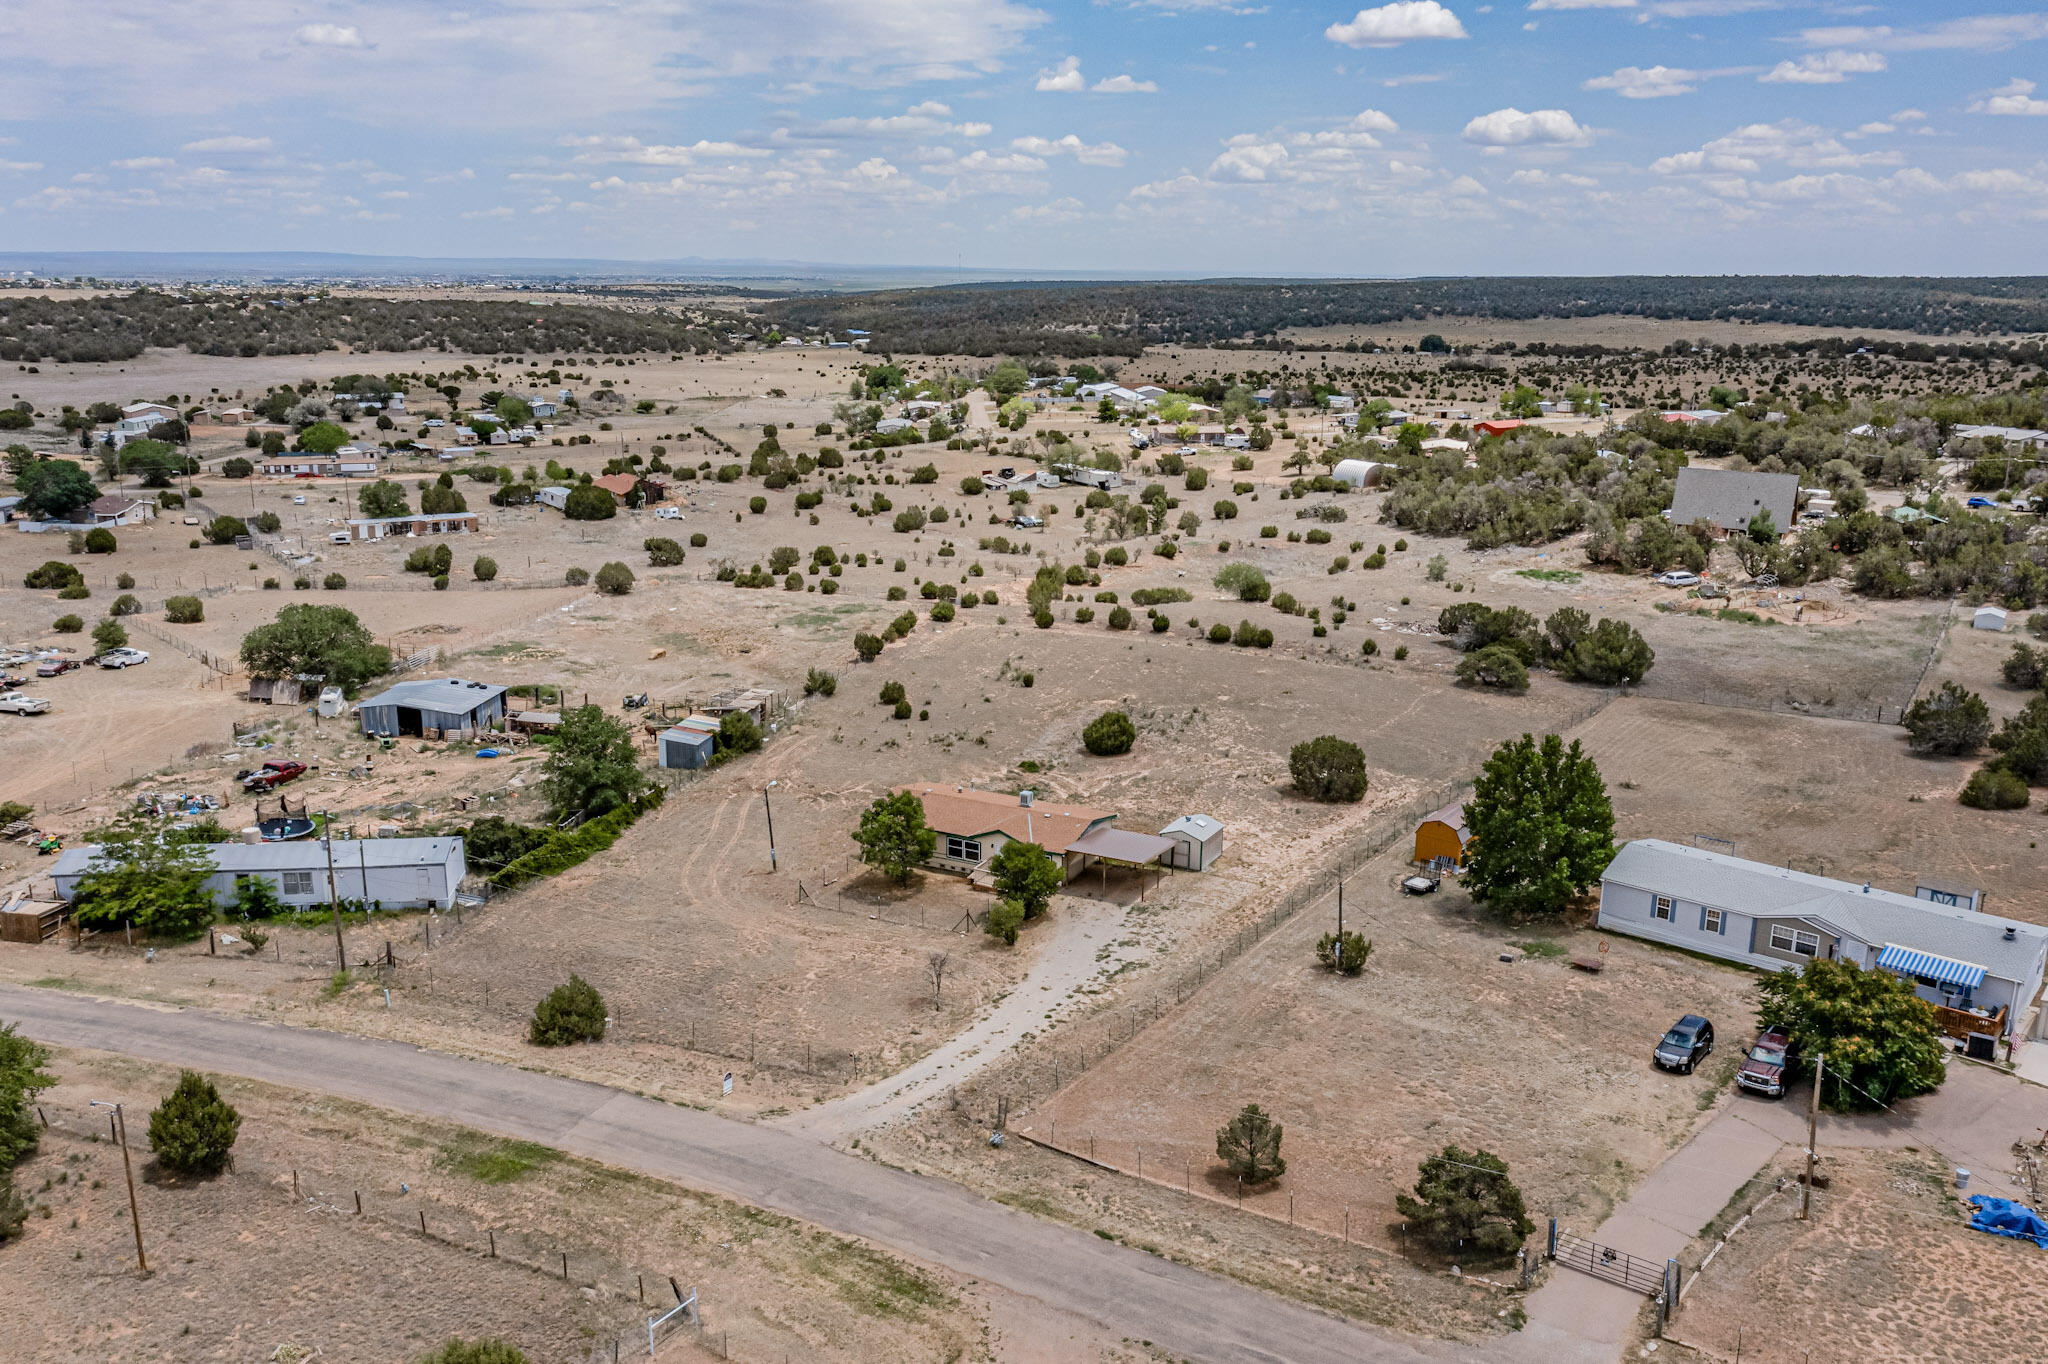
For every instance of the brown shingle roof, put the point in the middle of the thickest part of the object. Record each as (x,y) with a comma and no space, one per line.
(618,485)
(1051,824)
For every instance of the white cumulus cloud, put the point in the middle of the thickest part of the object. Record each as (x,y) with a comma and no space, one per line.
(330,35)
(1825,68)
(1582,4)
(1088,154)
(1513,128)
(1403,21)
(1064,78)
(229,144)
(1648,82)
(1125,85)
(2014,98)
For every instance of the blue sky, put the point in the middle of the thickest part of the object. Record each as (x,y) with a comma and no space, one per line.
(1542,136)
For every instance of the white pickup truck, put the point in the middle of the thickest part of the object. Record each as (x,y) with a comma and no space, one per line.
(16,703)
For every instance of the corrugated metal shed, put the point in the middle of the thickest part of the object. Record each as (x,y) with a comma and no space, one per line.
(685,748)
(427,705)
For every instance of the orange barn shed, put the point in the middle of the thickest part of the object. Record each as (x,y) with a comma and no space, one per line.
(1443,834)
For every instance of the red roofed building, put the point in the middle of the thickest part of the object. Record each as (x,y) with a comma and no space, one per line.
(1495,428)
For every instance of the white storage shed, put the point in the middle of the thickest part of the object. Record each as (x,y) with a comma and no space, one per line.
(1197,841)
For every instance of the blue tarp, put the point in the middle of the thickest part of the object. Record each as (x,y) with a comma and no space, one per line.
(2003,1217)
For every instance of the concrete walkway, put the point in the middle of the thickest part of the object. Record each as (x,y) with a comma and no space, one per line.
(1182,1311)
(1070,959)
(1972,1120)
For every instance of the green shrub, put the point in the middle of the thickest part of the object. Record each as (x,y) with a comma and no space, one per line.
(334,582)
(698,540)
(572,847)
(486,1351)
(184,610)
(1328,769)
(485,569)
(1992,787)
(576,577)
(902,711)
(1119,618)
(1244,581)
(1219,633)
(68,625)
(76,592)
(193,1129)
(1109,734)
(1496,666)
(99,540)
(588,502)
(662,552)
(738,733)
(571,1013)
(1005,918)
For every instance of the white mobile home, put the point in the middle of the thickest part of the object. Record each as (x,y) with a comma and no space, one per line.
(1983,973)
(397,873)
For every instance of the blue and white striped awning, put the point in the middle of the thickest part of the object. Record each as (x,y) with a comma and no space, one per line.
(1908,962)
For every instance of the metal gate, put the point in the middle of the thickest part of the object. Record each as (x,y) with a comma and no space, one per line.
(1648,1277)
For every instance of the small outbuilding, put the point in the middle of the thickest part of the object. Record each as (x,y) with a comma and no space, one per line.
(1989,618)
(1197,841)
(684,748)
(1358,473)
(1443,834)
(439,707)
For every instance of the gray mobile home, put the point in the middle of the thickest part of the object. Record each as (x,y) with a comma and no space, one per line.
(398,873)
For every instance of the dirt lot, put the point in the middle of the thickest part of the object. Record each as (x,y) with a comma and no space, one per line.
(374,1287)
(1837,1289)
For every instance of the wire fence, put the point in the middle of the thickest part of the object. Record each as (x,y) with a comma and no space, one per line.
(605,1275)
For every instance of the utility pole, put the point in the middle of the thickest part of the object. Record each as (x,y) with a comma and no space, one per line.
(333,899)
(771,822)
(1820,1068)
(127,1167)
(1340,915)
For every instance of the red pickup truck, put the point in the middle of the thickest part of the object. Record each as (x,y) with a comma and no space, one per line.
(1763,1070)
(271,775)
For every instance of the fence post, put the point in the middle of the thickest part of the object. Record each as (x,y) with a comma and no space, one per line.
(1550,1251)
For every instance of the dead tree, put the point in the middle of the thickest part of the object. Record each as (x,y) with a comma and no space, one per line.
(935,966)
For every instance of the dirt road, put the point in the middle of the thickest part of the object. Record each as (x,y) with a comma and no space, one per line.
(1177,1309)
(1082,929)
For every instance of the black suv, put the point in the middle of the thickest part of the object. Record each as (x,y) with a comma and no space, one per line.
(1687,1044)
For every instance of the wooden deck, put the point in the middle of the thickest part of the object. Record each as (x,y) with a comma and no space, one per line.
(1960,1023)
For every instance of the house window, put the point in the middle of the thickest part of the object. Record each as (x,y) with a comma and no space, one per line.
(298,883)
(1662,908)
(1785,938)
(1710,921)
(963,849)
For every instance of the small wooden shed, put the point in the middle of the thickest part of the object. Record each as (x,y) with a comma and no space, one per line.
(1443,834)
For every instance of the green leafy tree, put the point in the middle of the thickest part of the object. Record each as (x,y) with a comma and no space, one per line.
(440,501)
(1249,1146)
(514,411)
(1109,734)
(1883,1042)
(383,498)
(108,636)
(1496,667)
(144,878)
(256,898)
(237,467)
(593,766)
(193,1129)
(1344,952)
(1244,581)
(225,530)
(22,1077)
(1612,654)
(738,733)
(1542,829)
(323,438)
(1024,873)
(327,642)
(571,1013)
(54,574)
(588,502)
(1328,769)
(1465,1201)
(1950,723)
(1005,920)
(1993,787)
(893,835)
(1763,530)
(52,489)
(155,462)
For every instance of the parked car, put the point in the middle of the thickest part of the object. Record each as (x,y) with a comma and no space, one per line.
(1980,502)
(1419,885)
(270,776)
(1678,577)
(14,703)
(56,667)
(1026,522)
(123,658)
(298,499)
(1763,1070)
(1690,1041)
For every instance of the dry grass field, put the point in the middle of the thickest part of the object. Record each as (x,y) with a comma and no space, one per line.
(373,1287)
(1887,1270)
(810,981)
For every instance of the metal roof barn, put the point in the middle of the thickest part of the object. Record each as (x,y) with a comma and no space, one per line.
(441,705)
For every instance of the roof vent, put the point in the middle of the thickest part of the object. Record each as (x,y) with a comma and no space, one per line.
(2011,934)
(1024,799)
